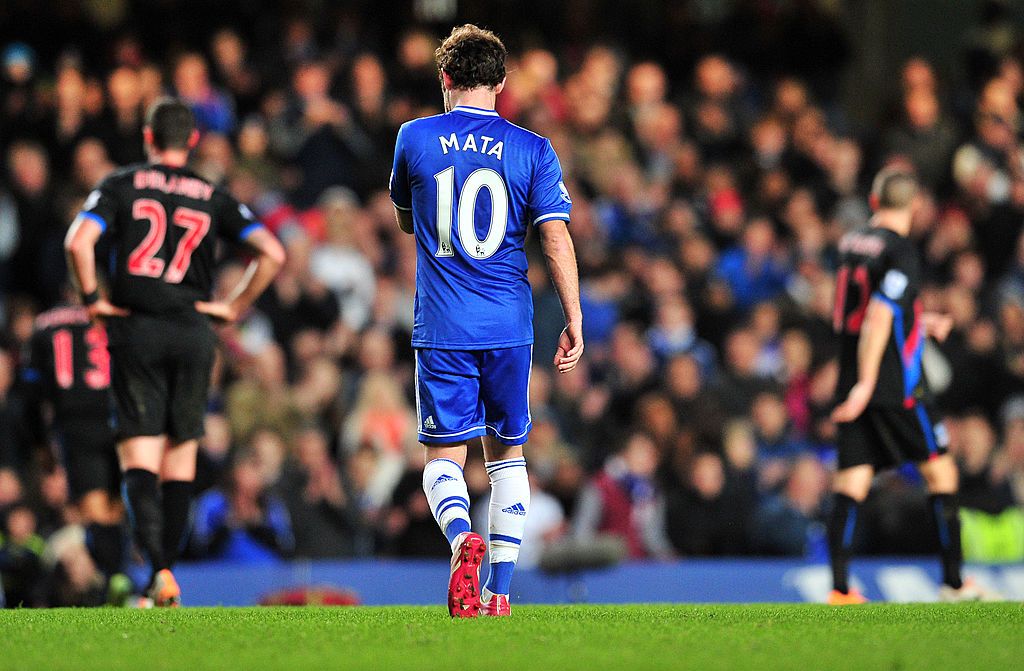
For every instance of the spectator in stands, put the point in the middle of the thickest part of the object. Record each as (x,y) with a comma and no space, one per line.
(625,501)
(245,521)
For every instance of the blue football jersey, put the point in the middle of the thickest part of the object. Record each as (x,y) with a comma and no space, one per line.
(475,184)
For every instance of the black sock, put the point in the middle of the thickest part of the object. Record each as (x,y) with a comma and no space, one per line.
(177,499)
(945,510)
(841,526)
(142,497)
(106,545)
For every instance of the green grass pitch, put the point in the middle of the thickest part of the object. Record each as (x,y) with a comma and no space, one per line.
(805,637)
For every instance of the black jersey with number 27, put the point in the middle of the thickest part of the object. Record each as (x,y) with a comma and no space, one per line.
(878,263)
(163,223)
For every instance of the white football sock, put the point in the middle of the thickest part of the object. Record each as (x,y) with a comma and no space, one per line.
(445,487)
(510,502)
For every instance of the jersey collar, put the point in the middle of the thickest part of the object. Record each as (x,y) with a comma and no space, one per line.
(474,110)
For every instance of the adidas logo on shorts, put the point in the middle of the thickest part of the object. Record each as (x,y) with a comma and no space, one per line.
(428,423)
(444,478)
(517,509)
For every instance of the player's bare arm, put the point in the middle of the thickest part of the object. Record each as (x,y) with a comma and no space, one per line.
(258,276)
(871,346)
(80,247)
(404,219)
(561,259)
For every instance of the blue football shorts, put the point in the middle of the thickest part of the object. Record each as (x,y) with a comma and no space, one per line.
(462,394)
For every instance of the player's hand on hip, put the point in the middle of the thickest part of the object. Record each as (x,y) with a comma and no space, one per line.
(103,309)
(218,310)
(854,405)
(570,347)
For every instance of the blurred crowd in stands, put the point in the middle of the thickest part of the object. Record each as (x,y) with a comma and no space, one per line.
(707,208)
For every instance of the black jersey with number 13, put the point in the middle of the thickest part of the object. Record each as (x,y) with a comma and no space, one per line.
(163,223)
(880,263)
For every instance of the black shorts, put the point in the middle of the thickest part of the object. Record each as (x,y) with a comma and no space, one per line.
(90,457)
(890,436)
(160,375)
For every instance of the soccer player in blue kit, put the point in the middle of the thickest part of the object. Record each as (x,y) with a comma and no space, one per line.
(469,185)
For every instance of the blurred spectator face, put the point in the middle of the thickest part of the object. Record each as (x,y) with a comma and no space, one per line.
(600,70)
(18,63)
(759,238)
(125,88)
(674,313)
(768,138)
(698,255)
(377,351)
(268,367)
(797,353)
(21,524)
(741,352)
(662,278)
(918,75)
(214,157)
(683,376)
(727,211)
(247,479)
(658,126)
(715,78)
(539,67)
(976,439)
(707,476)
(769,415)
(807,484)
(312,81)
(312,450)
(656,415)
(791,98)
(922,109)
(416,51)
(10,487)
(640,455)
(228,51)
(368,77)
(997,118)
(70,88)
(969,270)
(151,83)
(54,488)
(739,445)
(28,167)
(266,455)
(645,84)
(764,321)
(630,353)
(91,163)
(191,77)
(252,139)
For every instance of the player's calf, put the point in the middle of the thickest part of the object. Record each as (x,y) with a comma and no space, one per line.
(510,503)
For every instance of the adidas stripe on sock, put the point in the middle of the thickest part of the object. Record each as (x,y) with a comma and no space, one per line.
(445,487)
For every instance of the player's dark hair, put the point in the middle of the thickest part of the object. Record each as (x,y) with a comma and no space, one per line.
(171,122)
(472,57)
(894,189)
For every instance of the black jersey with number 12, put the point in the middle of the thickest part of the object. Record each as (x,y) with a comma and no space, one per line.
(163,223)
(882,264)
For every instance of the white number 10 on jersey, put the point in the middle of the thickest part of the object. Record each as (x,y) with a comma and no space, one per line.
(482,178)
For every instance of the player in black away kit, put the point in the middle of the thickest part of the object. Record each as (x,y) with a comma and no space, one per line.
(163,222)
(69,370)
(884,416)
